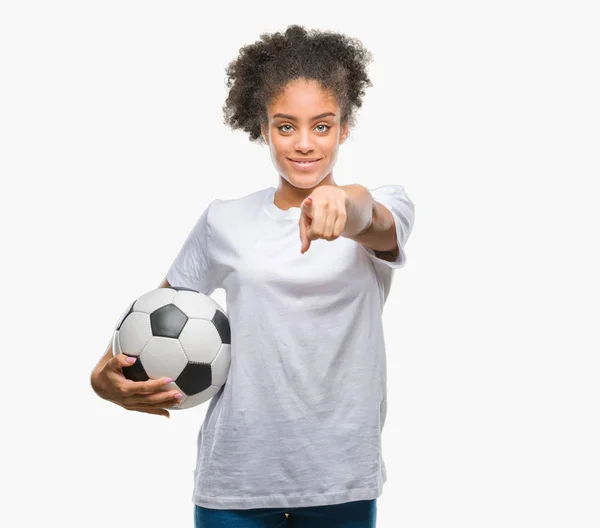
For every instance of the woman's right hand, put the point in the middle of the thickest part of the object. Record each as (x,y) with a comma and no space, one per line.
(143,396)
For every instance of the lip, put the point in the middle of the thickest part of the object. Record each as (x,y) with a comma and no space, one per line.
(304,166)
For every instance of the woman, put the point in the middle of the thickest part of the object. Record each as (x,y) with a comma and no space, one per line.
(294,435)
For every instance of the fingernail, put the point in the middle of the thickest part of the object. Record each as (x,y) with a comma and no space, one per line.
(168,380)
(178,395)
(131,360)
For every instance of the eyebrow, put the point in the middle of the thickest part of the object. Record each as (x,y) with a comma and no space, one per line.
(292,118)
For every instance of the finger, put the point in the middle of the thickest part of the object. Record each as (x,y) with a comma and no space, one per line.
(305,246)
(306,212)
(329,225)
(340,224)
(130,387)
(116,363)
(303,238)
(153,398)
(317,225)
(154,406)
(307,206)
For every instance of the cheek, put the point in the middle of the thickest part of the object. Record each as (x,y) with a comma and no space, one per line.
(330,149)
(278,147)
(329,143)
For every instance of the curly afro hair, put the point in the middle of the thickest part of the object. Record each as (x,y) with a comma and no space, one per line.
(263,69)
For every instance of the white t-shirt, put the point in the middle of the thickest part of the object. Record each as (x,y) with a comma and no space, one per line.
(298,422)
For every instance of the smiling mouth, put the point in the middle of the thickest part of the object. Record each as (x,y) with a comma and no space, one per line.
(304,162)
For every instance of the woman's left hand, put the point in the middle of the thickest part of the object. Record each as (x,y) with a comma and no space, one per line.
(322,215)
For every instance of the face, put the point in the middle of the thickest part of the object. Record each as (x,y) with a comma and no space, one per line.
(308,128)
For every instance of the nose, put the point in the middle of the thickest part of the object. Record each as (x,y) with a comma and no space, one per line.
(304,143)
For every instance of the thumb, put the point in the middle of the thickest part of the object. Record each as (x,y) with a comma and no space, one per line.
(307,204)
(121,360)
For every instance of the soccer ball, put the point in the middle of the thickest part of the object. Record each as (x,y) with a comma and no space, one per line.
(178,333)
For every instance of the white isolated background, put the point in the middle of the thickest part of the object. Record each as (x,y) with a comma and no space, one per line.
(111,146)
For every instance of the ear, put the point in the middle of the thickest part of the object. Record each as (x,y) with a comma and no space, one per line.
(264,134)
(344,132)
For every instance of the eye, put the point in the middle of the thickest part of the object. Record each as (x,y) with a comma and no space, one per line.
(327,127)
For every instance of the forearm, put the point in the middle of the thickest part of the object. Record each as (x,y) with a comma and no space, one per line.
(369,223)
(359,210)
(103,360)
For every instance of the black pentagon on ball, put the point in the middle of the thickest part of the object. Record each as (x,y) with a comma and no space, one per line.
(222,325)
(167,321)
(194,378)
(136,371)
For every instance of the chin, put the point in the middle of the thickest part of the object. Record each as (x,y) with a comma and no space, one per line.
(308,182)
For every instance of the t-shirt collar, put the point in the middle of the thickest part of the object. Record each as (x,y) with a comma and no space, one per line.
(293,213)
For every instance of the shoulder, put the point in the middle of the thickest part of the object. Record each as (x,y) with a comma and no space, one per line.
(395,198)
(227,209)
(242,201)
(389,190)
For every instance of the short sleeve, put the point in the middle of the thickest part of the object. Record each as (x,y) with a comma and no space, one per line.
(395,199)
(193,266)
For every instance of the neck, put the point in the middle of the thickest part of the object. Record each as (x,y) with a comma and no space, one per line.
(287,195)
